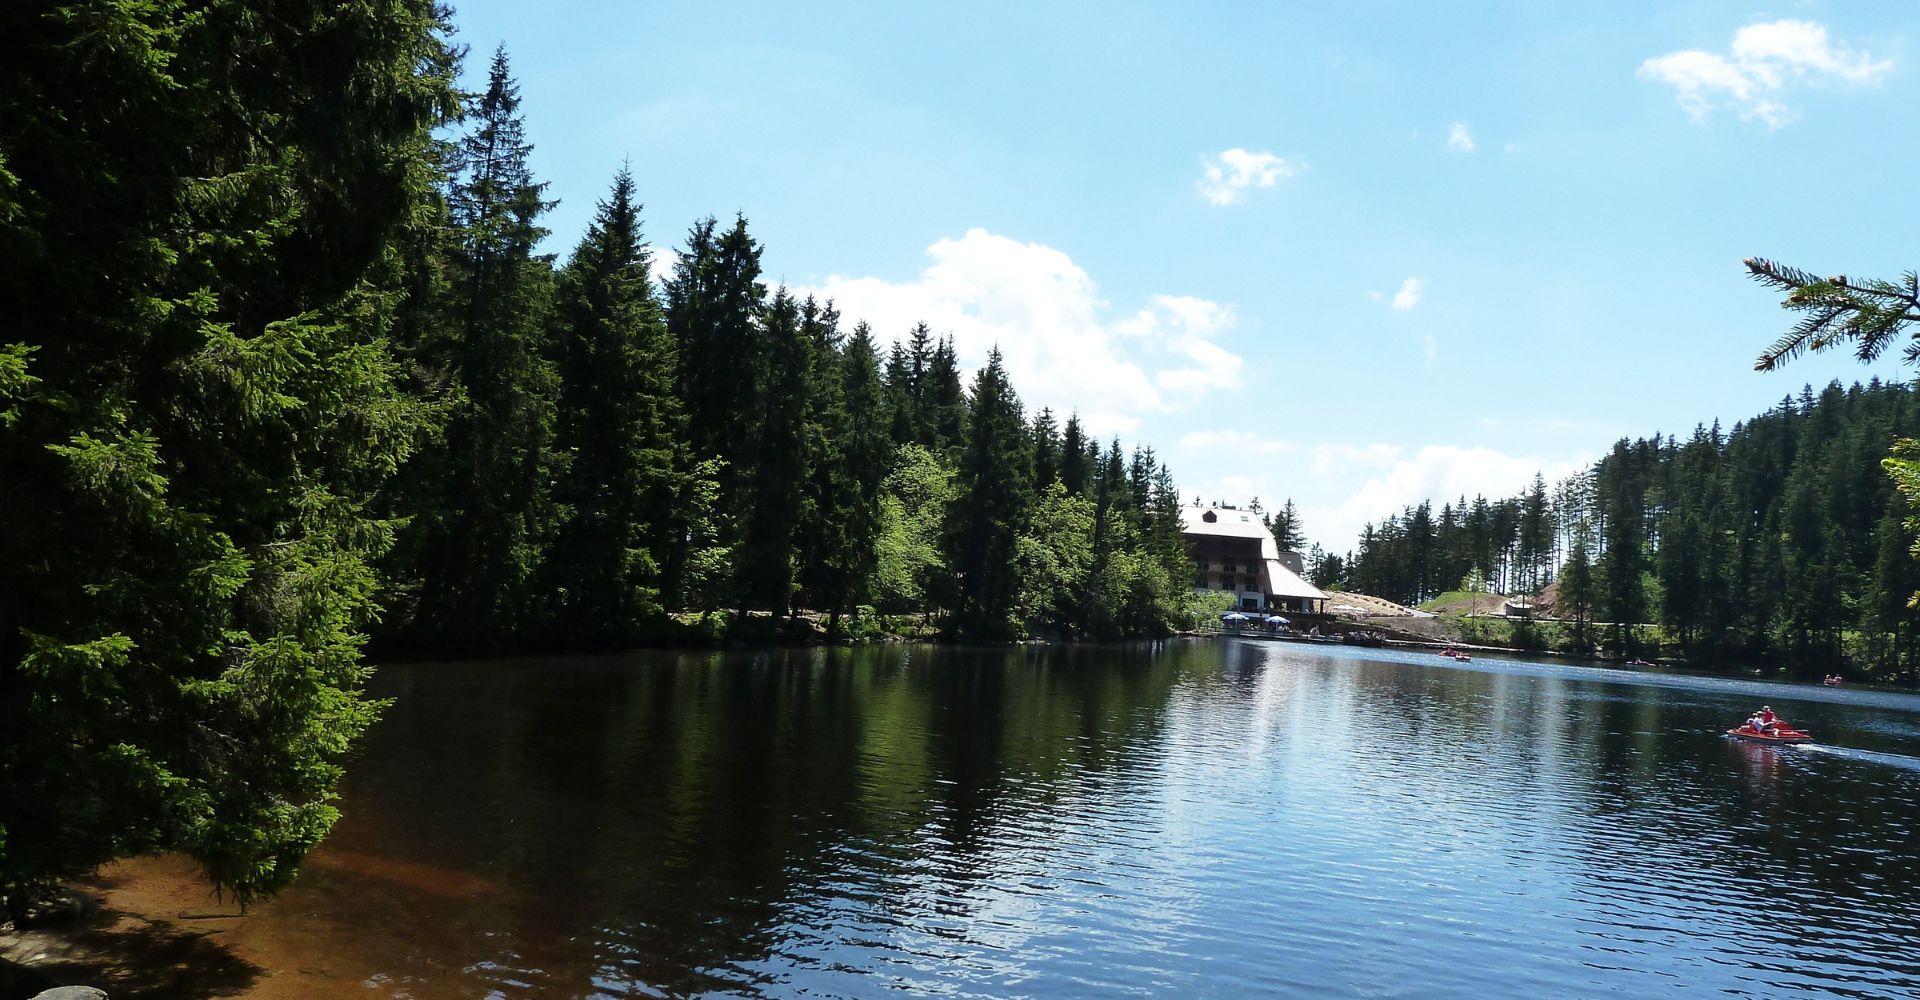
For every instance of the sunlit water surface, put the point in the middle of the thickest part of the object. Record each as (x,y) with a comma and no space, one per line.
(1196,818)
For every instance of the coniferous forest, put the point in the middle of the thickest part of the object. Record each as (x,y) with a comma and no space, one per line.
(288,373)
(1780,541)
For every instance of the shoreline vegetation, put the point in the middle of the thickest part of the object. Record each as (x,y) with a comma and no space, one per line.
(1781,544)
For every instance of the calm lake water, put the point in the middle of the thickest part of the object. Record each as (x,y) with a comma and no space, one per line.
(1196,818)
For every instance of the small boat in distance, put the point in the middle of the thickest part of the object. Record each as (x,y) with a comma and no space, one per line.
(1637,662)
(1832,681)
(1782,733)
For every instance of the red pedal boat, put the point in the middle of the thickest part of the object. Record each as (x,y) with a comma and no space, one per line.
(1782,733)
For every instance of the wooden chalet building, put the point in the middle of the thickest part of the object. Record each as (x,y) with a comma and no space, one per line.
(1233,551)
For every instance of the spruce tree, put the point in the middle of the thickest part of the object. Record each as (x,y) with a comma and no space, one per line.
(773,490)
(1578,594)
(991,510)
(864,459)
(1535,536)
(1286,529)
(919,356)
(944,400)
(620,425)
(1075,473)
(899,382)
(200,212)
(714,306)
(1046,451)
(822,541)
(488,532)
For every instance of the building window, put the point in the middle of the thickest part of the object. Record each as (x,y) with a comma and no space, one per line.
(1200,581)
(1229,566)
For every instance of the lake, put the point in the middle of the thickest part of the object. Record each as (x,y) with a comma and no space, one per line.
(1195,818)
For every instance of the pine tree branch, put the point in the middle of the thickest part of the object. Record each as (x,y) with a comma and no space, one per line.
(1839,310)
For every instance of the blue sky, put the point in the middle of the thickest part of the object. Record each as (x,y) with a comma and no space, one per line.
(1351,254)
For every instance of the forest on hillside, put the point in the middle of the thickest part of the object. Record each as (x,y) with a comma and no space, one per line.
(287,372)
(1781,540)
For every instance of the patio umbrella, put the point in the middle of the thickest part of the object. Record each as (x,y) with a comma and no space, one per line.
(1233,616)
(1277,620)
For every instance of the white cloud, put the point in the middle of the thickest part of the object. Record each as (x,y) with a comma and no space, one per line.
(1409,294)
(1458,138)
(1182,326)
(1045,313)
(1761,64)
(665,262)
(1440,473)
(1236,442)
(1226,178)
(1511,146)
(1432,350)
(1330,458)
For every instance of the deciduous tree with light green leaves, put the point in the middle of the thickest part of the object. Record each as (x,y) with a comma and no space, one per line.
(910,572)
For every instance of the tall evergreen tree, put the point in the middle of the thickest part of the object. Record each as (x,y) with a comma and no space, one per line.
(1286,528)
(1624,562)
(992,507)
(1535,537)
(1578,593)
(919,355)
(900,390)
(776,488)
(200,209)
(1075,472)
(621,426)
(865,457)
(484,539)
(820,532)
(945,400)
(714,306)
(1046,451)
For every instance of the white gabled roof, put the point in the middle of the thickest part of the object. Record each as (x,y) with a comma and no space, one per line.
(1227,523)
